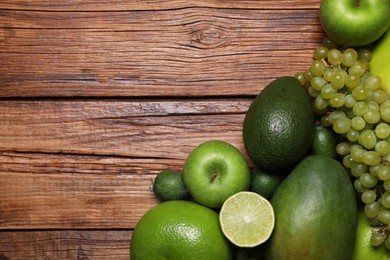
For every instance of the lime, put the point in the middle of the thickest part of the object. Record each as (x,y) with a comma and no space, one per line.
(247,219)
(179,230)
(265,183)
(324,142)
(363,249)
(169,185)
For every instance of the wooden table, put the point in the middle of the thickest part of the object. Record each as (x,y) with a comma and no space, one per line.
(97,97)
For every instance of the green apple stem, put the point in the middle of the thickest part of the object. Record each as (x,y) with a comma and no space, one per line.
(358,3)
(214,175)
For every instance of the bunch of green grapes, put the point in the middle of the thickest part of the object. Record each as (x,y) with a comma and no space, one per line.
(349,99)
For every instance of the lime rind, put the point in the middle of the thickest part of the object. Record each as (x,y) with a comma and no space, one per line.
(247,219)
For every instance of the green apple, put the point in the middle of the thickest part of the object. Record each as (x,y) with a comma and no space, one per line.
(215,170)
(380,61)
(355,23)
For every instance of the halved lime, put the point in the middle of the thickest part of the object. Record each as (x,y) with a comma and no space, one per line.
(247,219)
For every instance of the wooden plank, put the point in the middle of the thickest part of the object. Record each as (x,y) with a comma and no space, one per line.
(66,201)
(141,129)
(66,244)
(57,163)
(89,164)
(114,5)
(175,52)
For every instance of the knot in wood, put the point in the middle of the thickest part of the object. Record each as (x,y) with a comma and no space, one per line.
(208,37)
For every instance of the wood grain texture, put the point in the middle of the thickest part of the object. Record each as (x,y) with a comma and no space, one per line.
(97,97)
(140,5)
(66,201)
(65,244)
(143,129)
(174,52)
(89,164)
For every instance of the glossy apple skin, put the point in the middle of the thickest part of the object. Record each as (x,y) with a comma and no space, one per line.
(355,23)
(214,171)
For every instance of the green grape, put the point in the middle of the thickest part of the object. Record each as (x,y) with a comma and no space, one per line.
(338,100)
(348,112)
(320,103)
(328,74)
(374,169)
(352,135)
(367,180)
(382,147)
(358,69)
(352,81)
(374,222)
(371,158)
(335,115)
(355,146)
(387,242)
(342,125)
(312,92)
(318,82)
(358,123)
(338,79)
(384,172)
(367,139)
(320,53)
(384,216)
(350,101)
(347,161)
(372,116)
(328,43)
(357,154)
(335,57)
(359,93)
(350,56)
(317,68)
(357,169)
(377,239)
(358,186)
(386,200)
(365,54)
(371,210)
(343,148)
(386,185)
(367,73)
(373,105)
(373,83)
(308,75)
(359,108)
(385,111)
(300,76)
(368,196)
(325,121)
(380,96)
(327,91)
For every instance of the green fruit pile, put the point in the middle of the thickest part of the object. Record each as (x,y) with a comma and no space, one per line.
(350,101)
(320,144)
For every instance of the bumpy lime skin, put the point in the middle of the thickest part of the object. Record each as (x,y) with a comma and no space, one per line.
(355,23)
(169,185)
(179,230)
